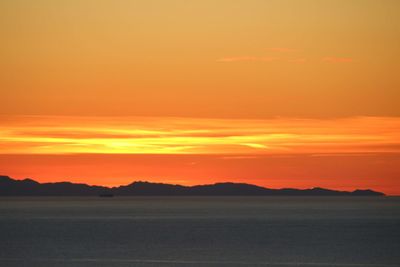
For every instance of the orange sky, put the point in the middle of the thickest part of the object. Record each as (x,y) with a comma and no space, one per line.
(281,93)
(342,153)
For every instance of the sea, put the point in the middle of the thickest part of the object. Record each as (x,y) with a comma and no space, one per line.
(200,231)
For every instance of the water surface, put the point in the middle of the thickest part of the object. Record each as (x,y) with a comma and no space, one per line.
(200,231)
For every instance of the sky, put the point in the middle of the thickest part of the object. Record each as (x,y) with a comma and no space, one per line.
(279,93)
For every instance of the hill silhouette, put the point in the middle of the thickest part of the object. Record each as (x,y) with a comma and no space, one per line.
(29,187)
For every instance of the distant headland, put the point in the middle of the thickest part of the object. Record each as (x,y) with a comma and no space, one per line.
(29,187)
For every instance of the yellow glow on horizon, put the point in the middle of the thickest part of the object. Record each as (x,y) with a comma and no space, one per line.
(136,135)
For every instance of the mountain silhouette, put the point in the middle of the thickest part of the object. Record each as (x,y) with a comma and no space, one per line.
(29,187)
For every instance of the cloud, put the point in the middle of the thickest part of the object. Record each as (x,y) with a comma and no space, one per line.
(246,58)
(261,59)
(235,59)
(337,59)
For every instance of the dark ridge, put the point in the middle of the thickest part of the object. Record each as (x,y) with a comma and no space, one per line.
(146,188)
(29,187)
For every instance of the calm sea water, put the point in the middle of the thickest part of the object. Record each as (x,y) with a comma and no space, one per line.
(200,231)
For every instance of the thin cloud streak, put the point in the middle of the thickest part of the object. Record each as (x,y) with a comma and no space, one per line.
(247,58)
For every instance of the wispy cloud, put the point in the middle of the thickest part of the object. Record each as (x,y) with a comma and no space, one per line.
(247,58)
(288,55)
(261,59)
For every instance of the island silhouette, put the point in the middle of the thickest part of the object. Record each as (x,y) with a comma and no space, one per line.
(29,187)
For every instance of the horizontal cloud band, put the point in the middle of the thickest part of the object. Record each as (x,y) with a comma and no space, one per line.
(133,135)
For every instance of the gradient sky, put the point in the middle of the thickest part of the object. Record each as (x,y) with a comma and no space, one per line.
(280,93)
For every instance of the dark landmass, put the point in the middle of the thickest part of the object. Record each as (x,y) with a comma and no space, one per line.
(29,187)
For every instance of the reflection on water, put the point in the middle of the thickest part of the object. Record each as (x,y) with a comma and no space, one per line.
(200,231)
